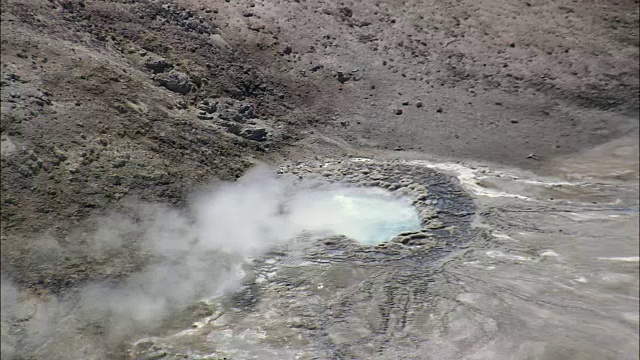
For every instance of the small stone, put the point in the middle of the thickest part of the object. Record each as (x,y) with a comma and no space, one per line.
(419,104)
(439,110)
(397,111)
(158,65)
(405,103)
(343,77)
(287,50)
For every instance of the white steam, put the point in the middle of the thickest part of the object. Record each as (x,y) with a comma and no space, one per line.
(244,216)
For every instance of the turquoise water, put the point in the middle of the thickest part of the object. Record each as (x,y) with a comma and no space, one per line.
(369,216)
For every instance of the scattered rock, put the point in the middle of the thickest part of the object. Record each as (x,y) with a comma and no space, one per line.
(158,66)
(397,111)
(246,111)
(255,134)
(357,74)
(208,106)
(439,110)
(230,115)
(176,81)
(343,77)
(250,133)
(286,51)
(182,105)
(419,104)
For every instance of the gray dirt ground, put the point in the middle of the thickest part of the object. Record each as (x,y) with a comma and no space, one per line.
(110,104)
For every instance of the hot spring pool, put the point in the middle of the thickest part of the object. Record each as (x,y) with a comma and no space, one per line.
(367,215)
